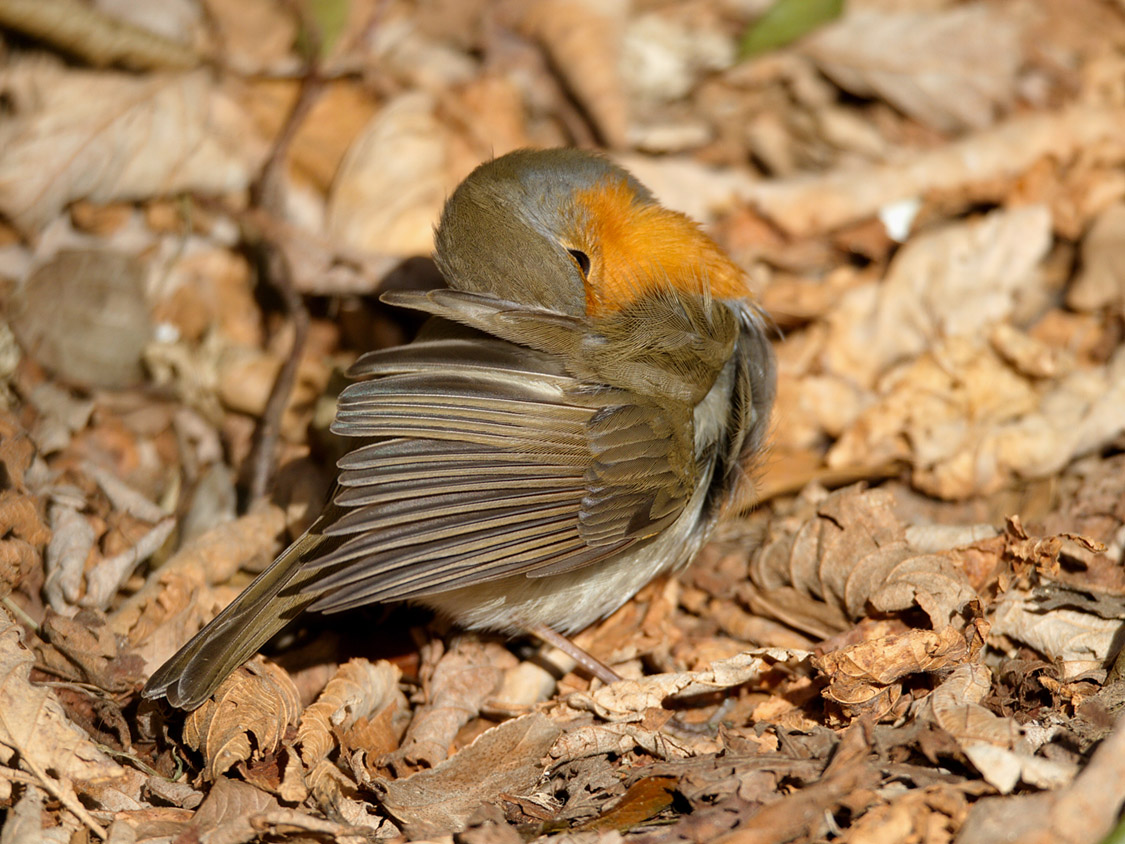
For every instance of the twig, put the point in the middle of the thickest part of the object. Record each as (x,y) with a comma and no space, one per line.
(268,194)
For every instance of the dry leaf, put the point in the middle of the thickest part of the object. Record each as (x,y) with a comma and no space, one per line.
(176,599)
(863,677)
(463,680)
(956,281)
(1084,812)
(629,700)
(34,724)
(852,557)
(390,188)
(258,701)
(993,744)
(806,205)
(1101,281)
(970,424)
(584,39)
(359,689)
(83,316)
(952,68)
(227,815)
(508,759)
(104,136)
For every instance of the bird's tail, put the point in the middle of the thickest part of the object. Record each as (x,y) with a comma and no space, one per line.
(270,602)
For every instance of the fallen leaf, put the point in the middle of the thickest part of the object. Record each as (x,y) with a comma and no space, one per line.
(508,759)
(101,136)
(256,702)
(951,68)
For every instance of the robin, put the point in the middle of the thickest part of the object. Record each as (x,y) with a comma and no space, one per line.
(586,396)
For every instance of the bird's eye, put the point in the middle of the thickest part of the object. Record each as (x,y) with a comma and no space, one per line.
(582,258)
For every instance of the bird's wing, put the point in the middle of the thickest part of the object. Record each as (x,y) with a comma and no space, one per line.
(491,460)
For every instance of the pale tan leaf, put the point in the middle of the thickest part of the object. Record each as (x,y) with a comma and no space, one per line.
(969,423)
(628,700)
(1101,281)
(851,557)
(584,39)
(390,188)
(994,745)
(806,205)
(955,281)
(464,678)
(228,813)
(952,68)
(103,136)
(177,598)
(864,677)
(1076,641)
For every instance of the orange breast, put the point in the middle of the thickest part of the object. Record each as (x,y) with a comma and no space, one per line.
(637,247)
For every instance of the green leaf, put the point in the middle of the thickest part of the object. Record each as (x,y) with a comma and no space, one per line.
(329,17)
(786,21)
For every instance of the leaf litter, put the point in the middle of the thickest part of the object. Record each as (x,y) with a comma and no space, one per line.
(914,636)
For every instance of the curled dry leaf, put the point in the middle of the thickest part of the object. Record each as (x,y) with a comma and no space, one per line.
(1084,812)
(956,281)
(951,68)
(621,738)
(854,556)
(584,39)
(75,134)
(994,745)
(463,680)
(863,678)
(508,759)
(23,536)
(72,542)
(86,642)
(257,701)
(1101,281)
(1075,640)
(970,423)
(628,700)
(360,689)
(107,576)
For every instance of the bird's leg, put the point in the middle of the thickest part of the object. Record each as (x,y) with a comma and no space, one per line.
(591,663)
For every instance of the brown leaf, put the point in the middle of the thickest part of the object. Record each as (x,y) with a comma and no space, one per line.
(359,690)
(584,40)
(862,677)
(463,680)
(34,725)
(993,744)
(645,799)
(257,701)
(506,759)
(1101,281)
(176,599)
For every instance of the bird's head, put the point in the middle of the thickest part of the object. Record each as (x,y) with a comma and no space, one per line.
(570,231)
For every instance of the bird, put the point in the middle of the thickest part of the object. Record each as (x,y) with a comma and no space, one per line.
(590,392)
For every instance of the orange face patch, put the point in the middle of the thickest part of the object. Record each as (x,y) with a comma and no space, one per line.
(635,248)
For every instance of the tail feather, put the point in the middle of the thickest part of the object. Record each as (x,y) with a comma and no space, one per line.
(236,634)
